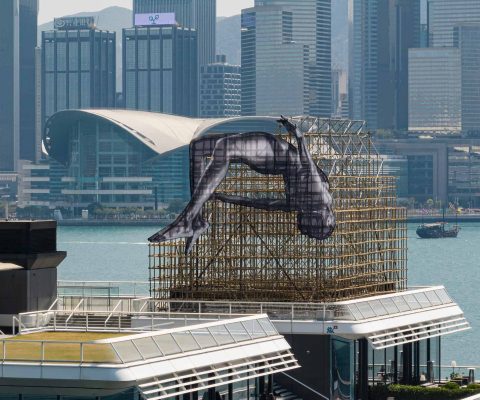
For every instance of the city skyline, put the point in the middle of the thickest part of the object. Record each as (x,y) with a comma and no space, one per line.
(49,9)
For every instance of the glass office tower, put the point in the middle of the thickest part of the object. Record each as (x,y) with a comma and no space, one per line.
(274,67)
(9,86)
(195,14)
(160,69)
(435,90)
(312,27)
(78,67)
(444,15)
(382,33)
(445,85)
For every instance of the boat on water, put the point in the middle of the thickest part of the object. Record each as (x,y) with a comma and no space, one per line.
(437,230)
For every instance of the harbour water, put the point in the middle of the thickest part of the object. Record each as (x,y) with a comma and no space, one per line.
(121,253)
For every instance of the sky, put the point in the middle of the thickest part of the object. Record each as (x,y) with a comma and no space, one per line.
(50,9)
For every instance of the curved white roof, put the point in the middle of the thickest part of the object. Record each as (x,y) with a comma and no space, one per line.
(160,132)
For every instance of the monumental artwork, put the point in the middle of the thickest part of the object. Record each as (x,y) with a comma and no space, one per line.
(307,190)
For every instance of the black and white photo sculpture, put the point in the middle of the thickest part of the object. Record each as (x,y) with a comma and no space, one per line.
(306,185)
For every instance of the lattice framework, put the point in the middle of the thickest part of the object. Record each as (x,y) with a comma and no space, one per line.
(257,255)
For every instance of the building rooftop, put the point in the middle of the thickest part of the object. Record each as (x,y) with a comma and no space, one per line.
(160,132)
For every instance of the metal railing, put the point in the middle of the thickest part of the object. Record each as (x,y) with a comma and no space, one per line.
(138,347)
(103,288)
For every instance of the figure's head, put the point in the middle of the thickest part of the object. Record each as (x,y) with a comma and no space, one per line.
(318,225)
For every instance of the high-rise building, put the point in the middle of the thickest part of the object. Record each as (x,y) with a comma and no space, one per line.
(445,85)
(78,66)
(195,14)
(444,15)
(312,21)
(160,69)
(274,67)
(220,89)
(435,90)
(28,42)
(9,85)
(339,93)
(383,31)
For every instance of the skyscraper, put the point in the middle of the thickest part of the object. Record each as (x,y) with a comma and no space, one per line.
(78,66)
(274,67)
(195,14)
(444,15)
(445,85)
(9,85)
(28,43)
(383,31)
(435,90)
(160,69)
(220,89)
(312,27)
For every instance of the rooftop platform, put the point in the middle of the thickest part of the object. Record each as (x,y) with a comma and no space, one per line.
(106,352)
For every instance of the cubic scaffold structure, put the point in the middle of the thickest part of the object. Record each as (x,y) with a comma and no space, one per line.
(260,255)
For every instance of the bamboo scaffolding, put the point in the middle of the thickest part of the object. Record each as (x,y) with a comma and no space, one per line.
(258,255)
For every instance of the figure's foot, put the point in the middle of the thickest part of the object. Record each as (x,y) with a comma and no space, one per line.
(199,228)
(182,228)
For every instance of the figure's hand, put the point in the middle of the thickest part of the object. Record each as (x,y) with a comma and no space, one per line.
(291,128)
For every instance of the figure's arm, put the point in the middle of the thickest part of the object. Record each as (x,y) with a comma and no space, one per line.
(304,153)
(262,204)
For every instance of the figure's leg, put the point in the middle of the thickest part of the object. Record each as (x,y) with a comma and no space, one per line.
(255,150)
(189,224)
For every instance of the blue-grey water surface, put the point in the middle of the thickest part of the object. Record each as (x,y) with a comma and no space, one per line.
(121,253)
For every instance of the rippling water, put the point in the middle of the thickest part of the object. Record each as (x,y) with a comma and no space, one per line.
(121,253)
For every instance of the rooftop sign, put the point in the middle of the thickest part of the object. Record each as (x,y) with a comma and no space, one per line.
(66,23)
(155,19)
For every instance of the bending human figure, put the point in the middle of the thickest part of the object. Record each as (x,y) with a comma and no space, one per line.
(306,185)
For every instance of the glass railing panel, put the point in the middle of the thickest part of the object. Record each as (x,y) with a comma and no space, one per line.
(401,303)
(204,338)
(16,350)
(100,353)
(412,302)
(342,312)
(366,310)
(357,315)
(62,351)
(423,300)
(186,341)
(443,295)
(238,331)
(378,308)
(278,311)
(127,351)
(245,308)
(254,329)
(147,347)
(390,306)
(268,327)
(433,298)
(221,335)
(167,344)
